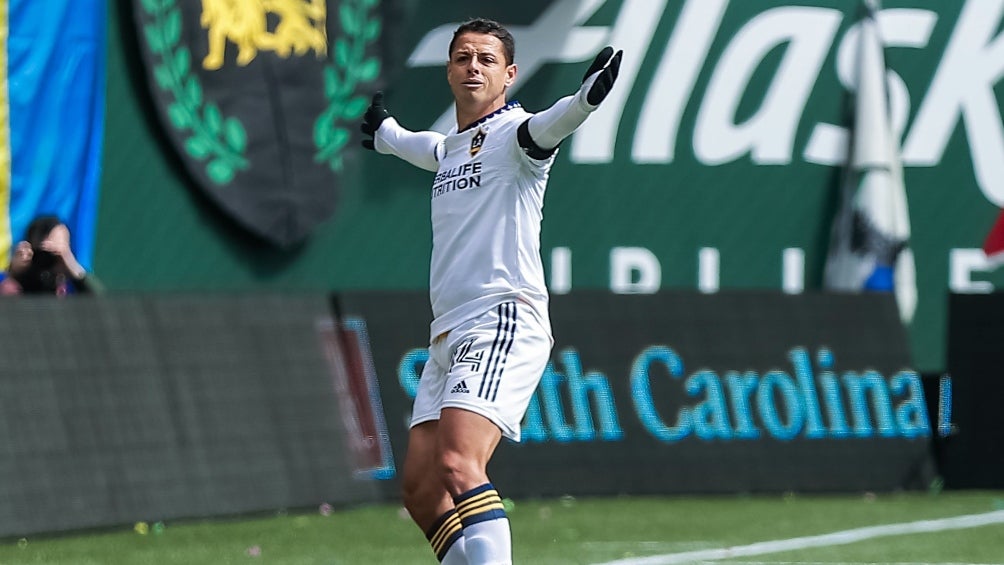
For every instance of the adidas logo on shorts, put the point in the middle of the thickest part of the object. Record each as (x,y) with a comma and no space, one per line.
(460,388)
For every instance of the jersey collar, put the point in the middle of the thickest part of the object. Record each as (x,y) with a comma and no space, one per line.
(483,119)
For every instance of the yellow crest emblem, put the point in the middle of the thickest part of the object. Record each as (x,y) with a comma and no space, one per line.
(245,23)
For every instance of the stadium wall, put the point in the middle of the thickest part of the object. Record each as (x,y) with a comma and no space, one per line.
(162,407)
(971,453)
(165,406)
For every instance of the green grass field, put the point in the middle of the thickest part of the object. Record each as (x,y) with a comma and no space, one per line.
(556,532)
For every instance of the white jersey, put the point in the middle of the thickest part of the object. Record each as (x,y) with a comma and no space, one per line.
(487,200)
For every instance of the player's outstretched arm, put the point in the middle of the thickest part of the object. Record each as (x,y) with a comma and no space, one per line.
(388,137)
(541,134)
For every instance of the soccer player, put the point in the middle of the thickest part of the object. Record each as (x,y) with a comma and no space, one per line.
(490,338)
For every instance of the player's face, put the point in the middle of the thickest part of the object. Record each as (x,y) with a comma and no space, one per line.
(478,73)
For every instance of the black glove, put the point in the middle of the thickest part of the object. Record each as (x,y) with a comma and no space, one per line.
(607,64)
(374,116)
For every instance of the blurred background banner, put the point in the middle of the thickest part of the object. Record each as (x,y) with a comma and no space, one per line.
(258,100)
(683,392)
(716,164)
(869,248)
(54,96)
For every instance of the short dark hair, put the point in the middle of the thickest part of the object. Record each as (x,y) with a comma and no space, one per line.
(42,274)
(39,229)
(488,27)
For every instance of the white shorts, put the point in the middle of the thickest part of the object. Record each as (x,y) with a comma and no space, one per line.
(490,365)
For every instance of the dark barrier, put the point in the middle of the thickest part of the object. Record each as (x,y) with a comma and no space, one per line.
(118,409)
(973,456)
(685,392)
(114,410)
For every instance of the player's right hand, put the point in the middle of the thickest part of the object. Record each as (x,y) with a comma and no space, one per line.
(374,116)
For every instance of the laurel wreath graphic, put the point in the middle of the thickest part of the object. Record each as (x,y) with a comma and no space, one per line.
(218,139)
(349,67)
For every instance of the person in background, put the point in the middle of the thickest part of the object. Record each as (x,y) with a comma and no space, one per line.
(44,263)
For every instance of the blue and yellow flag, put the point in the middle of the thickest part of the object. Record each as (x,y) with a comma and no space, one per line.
(51,117)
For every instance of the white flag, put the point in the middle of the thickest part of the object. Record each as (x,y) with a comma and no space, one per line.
(871,233)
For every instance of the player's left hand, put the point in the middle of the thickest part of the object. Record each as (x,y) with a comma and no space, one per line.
(600,76)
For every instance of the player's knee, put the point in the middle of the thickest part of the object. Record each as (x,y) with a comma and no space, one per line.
(459,472)
(417,489)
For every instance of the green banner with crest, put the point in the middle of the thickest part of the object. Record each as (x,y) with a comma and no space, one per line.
(715,164)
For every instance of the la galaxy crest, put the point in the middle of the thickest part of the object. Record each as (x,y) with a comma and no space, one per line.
(478,140)
(259,99)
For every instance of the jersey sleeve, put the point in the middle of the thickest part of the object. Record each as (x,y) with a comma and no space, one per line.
(418,148)
(548,128)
